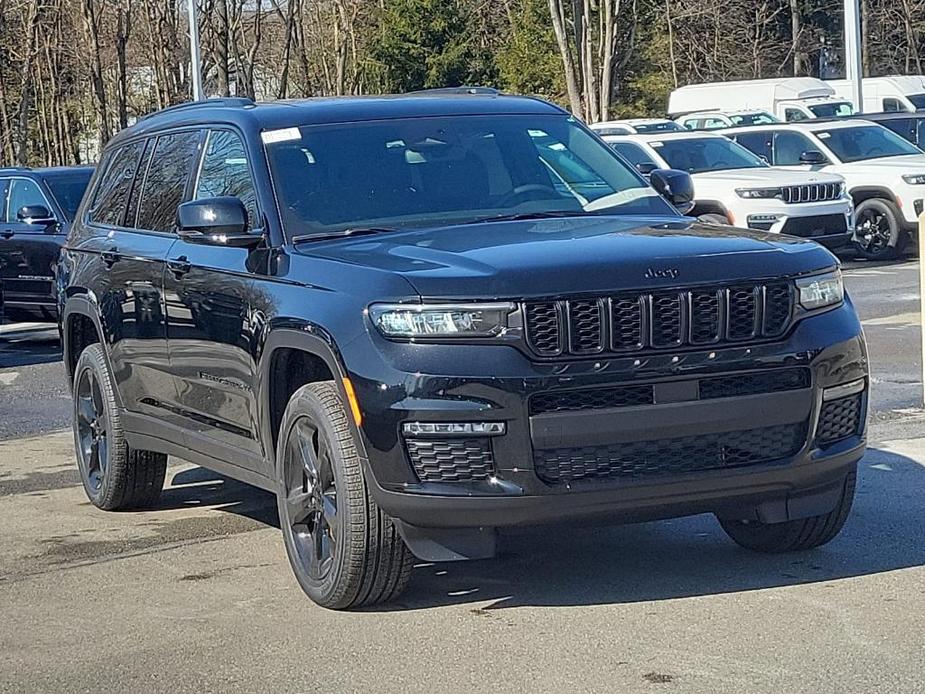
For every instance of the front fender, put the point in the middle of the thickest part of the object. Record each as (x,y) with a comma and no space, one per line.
(307,337)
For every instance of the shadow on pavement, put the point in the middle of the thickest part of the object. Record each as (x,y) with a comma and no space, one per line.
(27,344)
(566,566)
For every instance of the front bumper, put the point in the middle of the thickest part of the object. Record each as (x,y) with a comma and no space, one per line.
(449,384)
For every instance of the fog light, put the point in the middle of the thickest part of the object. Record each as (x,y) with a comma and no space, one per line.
(844,390)
(453,428)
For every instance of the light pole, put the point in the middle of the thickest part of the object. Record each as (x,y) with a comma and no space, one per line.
(195,60)
(853,51)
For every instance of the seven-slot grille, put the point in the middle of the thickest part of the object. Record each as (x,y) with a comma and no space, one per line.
(659,320)
(813,192)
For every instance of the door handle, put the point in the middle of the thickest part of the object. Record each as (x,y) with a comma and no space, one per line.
(179,266)
(7,233)
(110,257)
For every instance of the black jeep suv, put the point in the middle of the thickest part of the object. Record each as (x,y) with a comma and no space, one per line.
(37,207)
(419,319)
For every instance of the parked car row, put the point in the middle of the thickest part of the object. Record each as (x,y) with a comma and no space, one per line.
(37,207)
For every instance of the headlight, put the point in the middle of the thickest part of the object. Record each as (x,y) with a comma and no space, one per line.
(914,179)
(821,291)
(764,193)
(438,320)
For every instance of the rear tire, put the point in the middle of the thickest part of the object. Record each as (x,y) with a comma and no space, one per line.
(878,230)
(344,551)
(114,476)
(796,535)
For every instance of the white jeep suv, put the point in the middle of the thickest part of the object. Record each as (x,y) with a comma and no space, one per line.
(733,186)
(885,173)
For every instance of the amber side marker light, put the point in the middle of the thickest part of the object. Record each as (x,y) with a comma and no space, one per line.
(352,399)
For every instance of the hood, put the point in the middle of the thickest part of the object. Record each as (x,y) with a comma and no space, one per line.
(767,177)
(560,257)
(904,164)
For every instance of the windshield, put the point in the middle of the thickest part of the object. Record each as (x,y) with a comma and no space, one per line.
(760,118)
(706,154)
(918,100)
(865,142)
(668,126)
(836,109)
(68,190)
(420,172)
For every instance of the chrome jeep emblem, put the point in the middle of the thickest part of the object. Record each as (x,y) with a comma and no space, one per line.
(665,273)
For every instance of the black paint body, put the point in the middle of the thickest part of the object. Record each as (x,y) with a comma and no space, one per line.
(200,339)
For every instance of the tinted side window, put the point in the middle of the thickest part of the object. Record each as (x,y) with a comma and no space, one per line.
(165,183)
(758,143)
(131,208)
(633,153)
(788,146)
(794,114)
(23,192)
(892,105)
(112,191)
(225,172)
(904,127)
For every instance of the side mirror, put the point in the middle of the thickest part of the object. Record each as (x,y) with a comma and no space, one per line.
(813,157)
(677,187)
(646,167)
(36,214)
(216,222)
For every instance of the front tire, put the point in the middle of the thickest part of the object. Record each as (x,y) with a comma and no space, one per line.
(114,476)
(878,230)
(795,535)
(344,551)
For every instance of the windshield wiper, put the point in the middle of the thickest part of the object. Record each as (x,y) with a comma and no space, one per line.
(343,233)
(520,216)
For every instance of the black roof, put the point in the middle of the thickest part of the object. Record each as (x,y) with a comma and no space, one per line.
(464,101)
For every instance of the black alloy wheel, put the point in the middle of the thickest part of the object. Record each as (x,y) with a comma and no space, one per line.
(310,510)
(92,422)
(878,234)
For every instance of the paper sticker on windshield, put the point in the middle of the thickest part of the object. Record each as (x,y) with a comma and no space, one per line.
(282,135)
(823,136)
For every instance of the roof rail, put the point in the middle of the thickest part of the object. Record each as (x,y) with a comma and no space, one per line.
(459,90)
(229,101)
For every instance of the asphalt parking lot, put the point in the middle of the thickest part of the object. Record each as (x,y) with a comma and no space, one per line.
(197,595)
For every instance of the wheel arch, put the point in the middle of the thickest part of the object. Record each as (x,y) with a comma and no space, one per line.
(80,327)
(862,193)
(292,357)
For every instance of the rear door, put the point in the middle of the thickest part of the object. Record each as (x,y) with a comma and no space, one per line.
(128,276)
(216,308)
(28,251)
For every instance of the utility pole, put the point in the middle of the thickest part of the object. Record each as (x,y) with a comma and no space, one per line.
(195,59)
(853,51)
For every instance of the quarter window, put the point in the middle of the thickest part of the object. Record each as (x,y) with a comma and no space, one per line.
(23,192)
(225,172)
(166,180)
(113,190)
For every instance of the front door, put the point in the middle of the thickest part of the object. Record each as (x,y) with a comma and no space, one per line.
(28,252)
(215,311)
